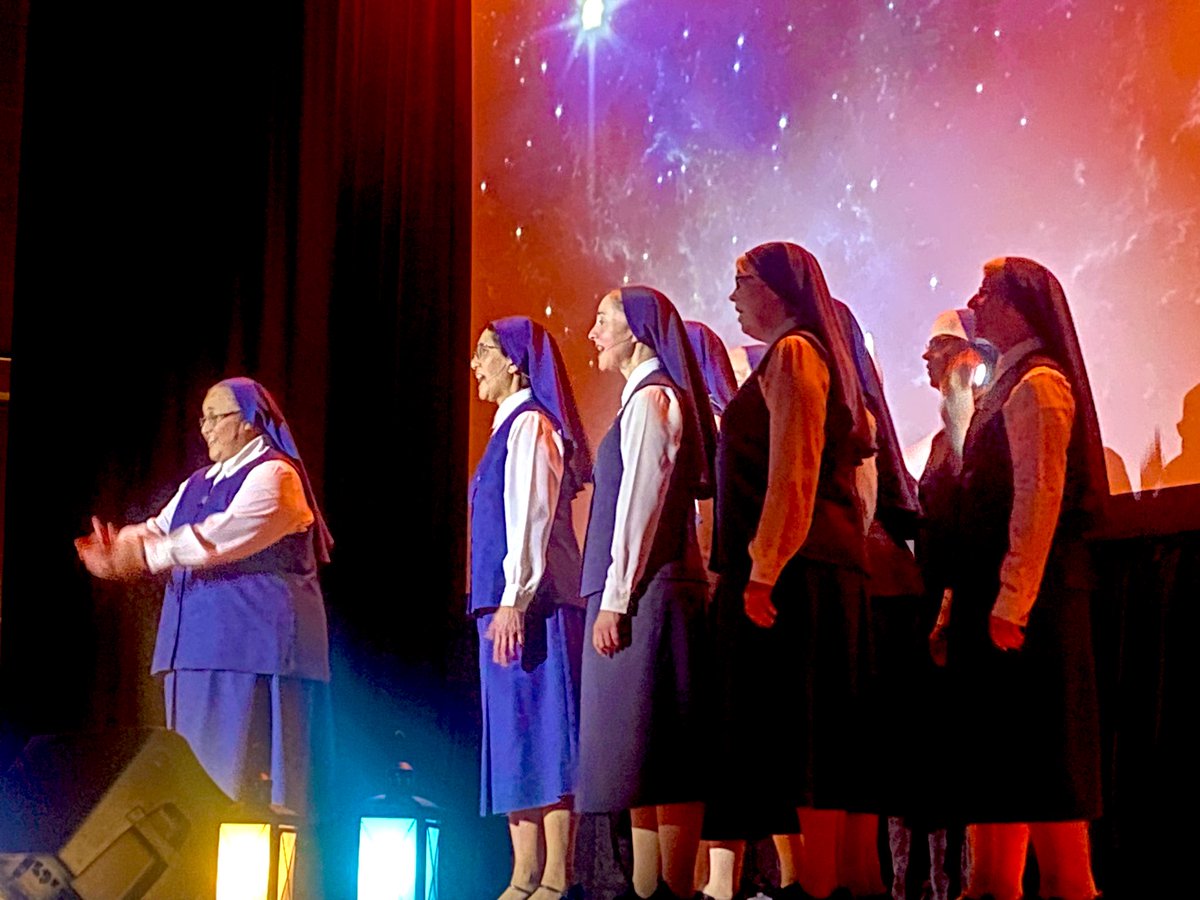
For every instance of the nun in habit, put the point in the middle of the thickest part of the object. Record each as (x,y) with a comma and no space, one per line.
(525,565)
(242,642)
(1018,636)
(791,603)
(643,694)
(715,368)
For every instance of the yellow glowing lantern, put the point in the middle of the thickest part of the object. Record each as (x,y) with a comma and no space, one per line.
(256,856)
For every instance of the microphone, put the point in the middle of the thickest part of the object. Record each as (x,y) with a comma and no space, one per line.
(623,341)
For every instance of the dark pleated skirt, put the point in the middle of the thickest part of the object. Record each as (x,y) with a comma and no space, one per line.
(642,708)
(790,711)
(530,752)
(908,704)
(1027,735)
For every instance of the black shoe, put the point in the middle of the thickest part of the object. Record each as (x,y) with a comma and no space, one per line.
(665,893)
(575,892)
(795,892)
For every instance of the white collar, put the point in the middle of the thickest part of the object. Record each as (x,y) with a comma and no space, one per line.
(637,376)
(509,405)
(247,454)
(1014,355)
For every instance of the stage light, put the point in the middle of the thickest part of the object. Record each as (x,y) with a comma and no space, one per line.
(591,14)
(399,838)
(256,854)
(117,813)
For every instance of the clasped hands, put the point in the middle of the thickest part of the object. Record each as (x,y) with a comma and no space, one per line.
(108,555)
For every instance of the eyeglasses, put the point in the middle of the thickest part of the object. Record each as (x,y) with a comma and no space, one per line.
(481,350)
(213,420)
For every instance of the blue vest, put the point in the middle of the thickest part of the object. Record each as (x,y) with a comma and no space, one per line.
(489,536)
(263,614)
(743,465)
(674,553)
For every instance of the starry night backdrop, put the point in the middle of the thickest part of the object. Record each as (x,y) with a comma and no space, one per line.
(905,143)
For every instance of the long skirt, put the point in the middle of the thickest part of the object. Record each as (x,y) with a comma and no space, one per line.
(790,702)
(1027,729)
(911,702)
(530,753)
(241,725)
(643,707)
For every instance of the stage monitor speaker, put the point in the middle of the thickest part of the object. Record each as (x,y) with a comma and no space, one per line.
(121,814)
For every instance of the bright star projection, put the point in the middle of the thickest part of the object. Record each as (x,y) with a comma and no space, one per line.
(591,14)
(905,143)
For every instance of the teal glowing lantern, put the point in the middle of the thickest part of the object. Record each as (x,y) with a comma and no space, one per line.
(398,844)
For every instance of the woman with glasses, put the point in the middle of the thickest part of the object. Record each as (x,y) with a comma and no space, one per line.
(1018,636)
(242,643)
(525,599)
(791,602)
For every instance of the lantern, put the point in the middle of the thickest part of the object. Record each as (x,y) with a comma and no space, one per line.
(256,854)
(398,844)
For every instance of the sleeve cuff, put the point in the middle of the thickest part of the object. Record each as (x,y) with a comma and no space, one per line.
(764,574)
(515,597)
(1011,608)
(158,553)
(615,600)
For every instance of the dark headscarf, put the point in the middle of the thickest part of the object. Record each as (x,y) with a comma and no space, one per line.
(795,276)
(897,506)
(656,322)
(1039,298)
(259,408)
(535,353)
(714,363)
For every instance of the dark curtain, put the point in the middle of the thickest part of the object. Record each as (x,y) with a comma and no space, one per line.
(280,190)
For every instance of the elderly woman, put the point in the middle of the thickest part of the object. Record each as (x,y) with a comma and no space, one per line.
(242,643)
(1019,642)
(790,549)
(646,591)
(525,566)
(919,786)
